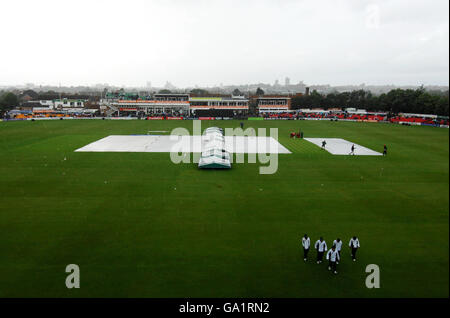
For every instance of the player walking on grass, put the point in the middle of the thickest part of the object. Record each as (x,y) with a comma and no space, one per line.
(306,243)
(354,245)
(333,259)
(385,150)
(353,150)
(338,243)
(324,144)
(321,247)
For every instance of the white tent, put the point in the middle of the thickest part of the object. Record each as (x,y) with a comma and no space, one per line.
(213,162)
(214,155)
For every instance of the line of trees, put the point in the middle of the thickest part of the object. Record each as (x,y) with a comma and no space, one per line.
(8,101)
(418,101)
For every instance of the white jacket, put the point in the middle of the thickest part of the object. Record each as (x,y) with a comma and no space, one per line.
(321,246)
(333,255)
(338,245)
(354,243)
(306,242)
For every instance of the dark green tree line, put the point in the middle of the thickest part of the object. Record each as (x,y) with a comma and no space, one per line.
(395,101)
(8,101)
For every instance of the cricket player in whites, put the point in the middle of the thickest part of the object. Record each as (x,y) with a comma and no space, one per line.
(321,247)
(306,243)
(354,245)
(333,258)
(338,243)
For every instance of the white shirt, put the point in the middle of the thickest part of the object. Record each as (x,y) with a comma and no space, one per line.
(354,243)
(321,246)
(338,245)
(333,255)
(306,242)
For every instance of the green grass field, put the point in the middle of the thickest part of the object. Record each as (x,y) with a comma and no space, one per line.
(140,226)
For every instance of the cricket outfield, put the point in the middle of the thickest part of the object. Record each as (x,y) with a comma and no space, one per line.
(138,225)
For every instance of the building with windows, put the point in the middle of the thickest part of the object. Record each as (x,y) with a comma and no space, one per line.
(68,103)
(218,106)
(273,104)
(55,104)
(184,104)
(169,104)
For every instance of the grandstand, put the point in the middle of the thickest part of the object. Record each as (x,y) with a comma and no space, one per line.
(177,104)
(219,106)
(360,115)
(273,104)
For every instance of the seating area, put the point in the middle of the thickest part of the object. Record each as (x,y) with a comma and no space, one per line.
(419,120)
(359,117)
(405,119)
(231,113)
(343,116)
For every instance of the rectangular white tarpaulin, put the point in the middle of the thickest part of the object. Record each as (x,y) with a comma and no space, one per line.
(338,146)
(168,143)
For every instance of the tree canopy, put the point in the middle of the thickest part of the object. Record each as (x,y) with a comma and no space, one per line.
(417,101)
(8,101)
(237,92)
(199,92)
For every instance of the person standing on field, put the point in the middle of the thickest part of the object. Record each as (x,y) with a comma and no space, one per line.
(385,150)
(333,258)
(306,243)
(353,150)
(321,247)
(324,144)
(354,245)
(338,243)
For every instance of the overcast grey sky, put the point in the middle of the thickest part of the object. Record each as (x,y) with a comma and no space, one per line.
(208,42)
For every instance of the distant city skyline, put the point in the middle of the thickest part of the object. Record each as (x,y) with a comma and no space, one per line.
(169,85)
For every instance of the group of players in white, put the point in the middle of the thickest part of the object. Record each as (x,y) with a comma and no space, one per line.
(333,255)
